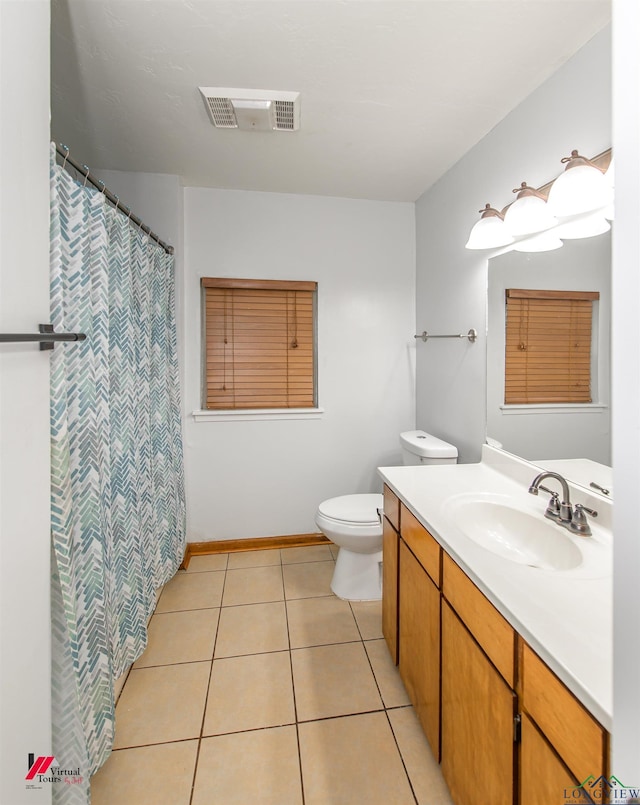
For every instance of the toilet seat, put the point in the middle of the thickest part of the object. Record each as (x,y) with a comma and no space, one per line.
(357,510)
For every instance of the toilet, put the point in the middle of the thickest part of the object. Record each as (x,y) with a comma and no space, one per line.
(354,523)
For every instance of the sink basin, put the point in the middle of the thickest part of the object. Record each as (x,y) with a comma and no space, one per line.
(519,535)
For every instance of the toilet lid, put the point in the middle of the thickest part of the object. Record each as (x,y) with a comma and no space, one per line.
(361,509)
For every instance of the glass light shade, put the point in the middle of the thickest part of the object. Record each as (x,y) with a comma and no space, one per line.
(609,175)
(489,233)
(578,190)
(527,216)
(542,242)
(583,226)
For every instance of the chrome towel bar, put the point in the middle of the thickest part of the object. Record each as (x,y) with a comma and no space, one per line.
(471,335)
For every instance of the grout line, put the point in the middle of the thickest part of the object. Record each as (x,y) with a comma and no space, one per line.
(404,766)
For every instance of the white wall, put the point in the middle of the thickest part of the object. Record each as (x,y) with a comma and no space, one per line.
(570,110)
(248,479)
(25,630)
(625,761)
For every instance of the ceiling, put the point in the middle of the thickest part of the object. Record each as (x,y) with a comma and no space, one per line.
(392,94)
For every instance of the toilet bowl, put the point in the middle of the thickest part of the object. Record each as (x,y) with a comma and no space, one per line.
(354,523)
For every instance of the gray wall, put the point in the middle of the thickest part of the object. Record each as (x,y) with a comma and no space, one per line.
(570,110)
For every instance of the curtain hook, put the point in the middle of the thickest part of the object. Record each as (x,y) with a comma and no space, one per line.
(86,176)
(104,187)
(117,198)
(66,155)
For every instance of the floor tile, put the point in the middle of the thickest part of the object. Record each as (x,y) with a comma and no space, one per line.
(192,591)
(425,774)
(368,615)
(150,775)
(162,704)
(180,637)
(212,561)
(308,580)
(319,621)
(386,673)
(252,629)
(254,558)
(253,585)
(351,761)
(333,681)
(307,553)
(250,693)
(259,767)
(335,550)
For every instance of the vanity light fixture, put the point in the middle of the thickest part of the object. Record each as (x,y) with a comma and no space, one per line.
(583,226)
(529,213)
(578,204)
(489,232)
(580,189)
(609,178)
(542,242)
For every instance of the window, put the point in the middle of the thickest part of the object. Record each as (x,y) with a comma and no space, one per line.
(259,344)
(548,346)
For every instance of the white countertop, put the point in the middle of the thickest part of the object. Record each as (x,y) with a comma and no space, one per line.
(565,616)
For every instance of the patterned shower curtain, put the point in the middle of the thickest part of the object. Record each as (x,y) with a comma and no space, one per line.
(117,487)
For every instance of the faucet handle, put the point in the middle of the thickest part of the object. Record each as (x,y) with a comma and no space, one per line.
(553,506)
(579,523)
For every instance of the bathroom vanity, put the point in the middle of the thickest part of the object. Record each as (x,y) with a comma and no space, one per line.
(500,623)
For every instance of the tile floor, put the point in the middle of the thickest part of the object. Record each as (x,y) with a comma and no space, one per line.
(260,686)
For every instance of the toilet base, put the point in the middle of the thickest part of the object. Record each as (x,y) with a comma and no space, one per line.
(358,576)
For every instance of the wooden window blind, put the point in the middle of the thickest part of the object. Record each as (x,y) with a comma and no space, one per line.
(548,346)
(259,343)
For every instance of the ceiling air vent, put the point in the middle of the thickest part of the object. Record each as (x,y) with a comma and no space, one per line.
(252,109)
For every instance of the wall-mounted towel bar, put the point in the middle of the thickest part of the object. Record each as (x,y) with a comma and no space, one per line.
(46,337)
(471,335)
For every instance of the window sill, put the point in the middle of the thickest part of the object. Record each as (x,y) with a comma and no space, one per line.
(255,414)
(555,408)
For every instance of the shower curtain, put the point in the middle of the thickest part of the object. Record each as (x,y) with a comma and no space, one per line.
(117,485)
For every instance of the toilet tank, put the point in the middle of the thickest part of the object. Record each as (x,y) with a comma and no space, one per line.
(419,447)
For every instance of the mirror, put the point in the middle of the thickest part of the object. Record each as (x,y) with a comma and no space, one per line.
(574,440)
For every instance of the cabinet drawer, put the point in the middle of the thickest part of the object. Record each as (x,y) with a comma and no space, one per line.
(490,629)
(391,507)
(569,727)
(424,547)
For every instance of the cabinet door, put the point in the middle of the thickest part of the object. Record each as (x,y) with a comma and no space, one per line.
(478,712)
(390,542)
(544,779)
(420,644)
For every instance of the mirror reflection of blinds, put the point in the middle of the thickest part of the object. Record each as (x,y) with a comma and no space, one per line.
(548,346)
(259,344)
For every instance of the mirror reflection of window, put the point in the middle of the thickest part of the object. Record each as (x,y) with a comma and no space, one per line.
(548,346)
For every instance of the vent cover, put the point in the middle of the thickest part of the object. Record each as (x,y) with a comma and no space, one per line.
(252,109)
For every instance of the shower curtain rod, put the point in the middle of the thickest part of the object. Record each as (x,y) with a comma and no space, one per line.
(63,151)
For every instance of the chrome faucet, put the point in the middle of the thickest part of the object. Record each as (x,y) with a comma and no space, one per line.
(573,519)
(561,513)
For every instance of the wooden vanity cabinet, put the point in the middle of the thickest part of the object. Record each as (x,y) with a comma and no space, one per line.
(562,745)
(419,643)
(543,776)
(505,728)
(479,703)
(390,548)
